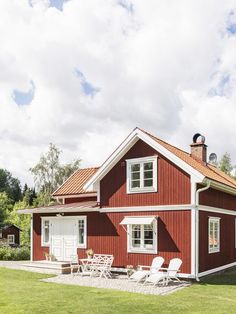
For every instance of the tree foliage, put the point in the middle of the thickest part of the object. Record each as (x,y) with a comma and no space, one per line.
(10,185)
(6,206)
(225,164)
(49,174)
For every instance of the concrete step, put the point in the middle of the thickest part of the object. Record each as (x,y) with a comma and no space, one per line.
(61,267)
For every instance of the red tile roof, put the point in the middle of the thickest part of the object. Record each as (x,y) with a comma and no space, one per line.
(207,170)
(75,183)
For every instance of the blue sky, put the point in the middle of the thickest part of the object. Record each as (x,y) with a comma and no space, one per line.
(83,74)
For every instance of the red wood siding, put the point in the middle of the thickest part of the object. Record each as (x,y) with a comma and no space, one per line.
(80,199)
(38,250)
(227,252)
(106,235)
(215,198)
(173,184)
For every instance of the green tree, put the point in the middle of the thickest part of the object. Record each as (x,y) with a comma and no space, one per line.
(49,174)
(10,185)
(6,206)
(225,164)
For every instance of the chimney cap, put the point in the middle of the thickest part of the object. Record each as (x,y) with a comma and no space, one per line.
(198,138)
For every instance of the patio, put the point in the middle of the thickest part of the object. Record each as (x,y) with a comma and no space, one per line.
(118,282)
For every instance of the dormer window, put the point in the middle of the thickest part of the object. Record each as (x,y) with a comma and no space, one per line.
(142,175)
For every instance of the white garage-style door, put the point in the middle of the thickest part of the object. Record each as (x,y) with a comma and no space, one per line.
(63,239)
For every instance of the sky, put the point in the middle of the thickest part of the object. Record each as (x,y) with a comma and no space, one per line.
(84,74)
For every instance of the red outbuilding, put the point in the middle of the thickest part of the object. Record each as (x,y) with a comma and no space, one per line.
(149,198)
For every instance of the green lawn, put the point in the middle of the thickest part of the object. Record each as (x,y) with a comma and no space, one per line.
(22,292)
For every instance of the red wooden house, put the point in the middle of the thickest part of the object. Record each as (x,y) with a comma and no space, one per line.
(148,198)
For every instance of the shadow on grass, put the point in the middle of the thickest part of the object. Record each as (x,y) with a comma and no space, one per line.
(223,278)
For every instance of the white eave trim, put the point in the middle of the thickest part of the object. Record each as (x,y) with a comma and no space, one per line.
(137,134)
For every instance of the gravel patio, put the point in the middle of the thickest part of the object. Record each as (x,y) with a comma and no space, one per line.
(118,282)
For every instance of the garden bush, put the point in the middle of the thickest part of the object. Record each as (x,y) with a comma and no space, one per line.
(14,254)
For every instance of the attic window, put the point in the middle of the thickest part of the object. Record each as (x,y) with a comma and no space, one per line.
(142,175)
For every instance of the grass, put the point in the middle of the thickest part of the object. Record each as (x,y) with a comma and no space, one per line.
(23,292)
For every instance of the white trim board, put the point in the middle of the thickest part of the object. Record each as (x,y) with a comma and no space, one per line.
(146,208)
(214,270)
(217,210)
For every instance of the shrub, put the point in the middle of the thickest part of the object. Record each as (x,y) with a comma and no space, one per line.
(14,254)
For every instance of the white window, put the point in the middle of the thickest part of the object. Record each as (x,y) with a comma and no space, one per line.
(214,235)
(142,175)
(45,232)
(142,238)
(82,232)
(11,239)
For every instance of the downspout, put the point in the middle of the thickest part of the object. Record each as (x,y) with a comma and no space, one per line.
(197,227)
(31,238)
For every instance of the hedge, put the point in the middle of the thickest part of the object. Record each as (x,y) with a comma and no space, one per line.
(14,254)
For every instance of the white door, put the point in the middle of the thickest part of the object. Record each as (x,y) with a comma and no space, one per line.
(63,239)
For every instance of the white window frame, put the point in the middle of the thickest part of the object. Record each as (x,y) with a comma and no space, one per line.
(141,161)
(142,249)
(80,245)
(8,239)
(214,220)
(43,243)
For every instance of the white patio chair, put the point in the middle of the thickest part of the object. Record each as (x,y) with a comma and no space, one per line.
(141,274)
(102,265)
(166,274)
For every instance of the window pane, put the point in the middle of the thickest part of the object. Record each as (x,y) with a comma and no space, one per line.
(148,236)
(135,184)
(148,175)
(135,167)
(148,183)
(81,231)
(148,166)
(135,175)
(136,235)
(46,231)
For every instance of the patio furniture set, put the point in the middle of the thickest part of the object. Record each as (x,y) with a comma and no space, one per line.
(100,266)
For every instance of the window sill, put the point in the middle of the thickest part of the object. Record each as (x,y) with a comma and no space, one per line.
(81,246)
(143,251)
(45,245)
(215,251)
(142,191)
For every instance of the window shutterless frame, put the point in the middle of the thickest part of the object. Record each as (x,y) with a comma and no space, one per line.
(213,235)
(11,239)
(139,237)
(139,177)
(82,232)
(45,223)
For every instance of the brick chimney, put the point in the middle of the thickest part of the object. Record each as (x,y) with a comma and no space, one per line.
(199,148)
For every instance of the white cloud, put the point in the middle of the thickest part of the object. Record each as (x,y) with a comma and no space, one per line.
(159,66)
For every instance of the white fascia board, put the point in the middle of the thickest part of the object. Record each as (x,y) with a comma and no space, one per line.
(222,187)
(125,147)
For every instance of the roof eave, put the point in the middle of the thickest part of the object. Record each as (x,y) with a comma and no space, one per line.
(222,187)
